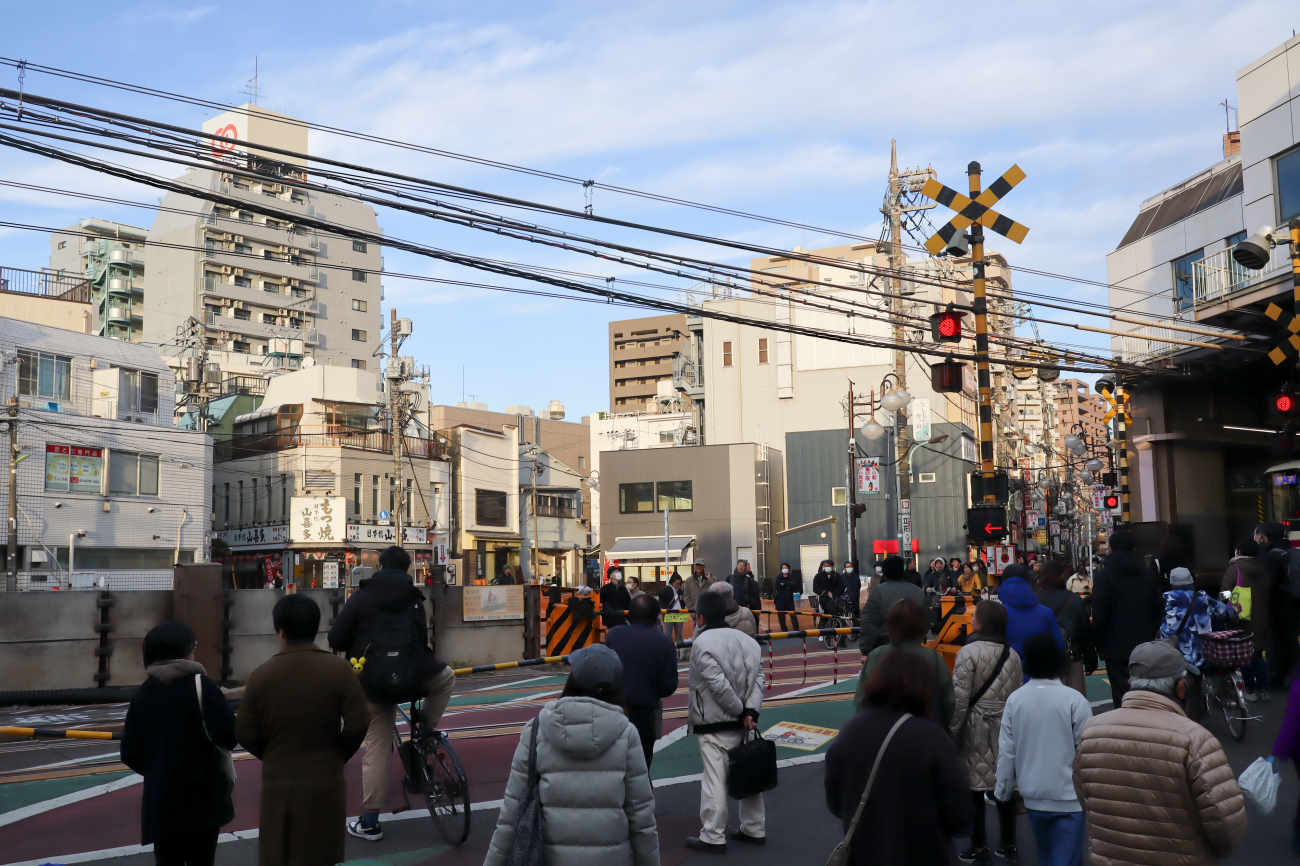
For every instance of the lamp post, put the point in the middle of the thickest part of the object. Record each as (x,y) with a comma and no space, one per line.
(893,399)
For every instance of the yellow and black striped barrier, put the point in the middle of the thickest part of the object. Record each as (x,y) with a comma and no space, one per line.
(58,733)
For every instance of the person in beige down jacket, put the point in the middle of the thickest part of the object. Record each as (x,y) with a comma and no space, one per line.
(1156,786)
(985,664)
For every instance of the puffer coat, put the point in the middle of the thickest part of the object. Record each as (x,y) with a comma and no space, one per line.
(597,803)
(1157,787)
(975,664)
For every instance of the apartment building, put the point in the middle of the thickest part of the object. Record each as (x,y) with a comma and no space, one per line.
(269,291)
(111,257)
(1078,406)
(568,441)
(485,528)
(109,494)
(642,354)
(304,488)
(1202,435)
(551,507)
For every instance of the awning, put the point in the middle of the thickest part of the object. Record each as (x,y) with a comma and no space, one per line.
(649,547)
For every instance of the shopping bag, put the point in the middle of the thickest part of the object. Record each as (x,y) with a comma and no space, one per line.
(528,847)
(751,766)
(1259,784)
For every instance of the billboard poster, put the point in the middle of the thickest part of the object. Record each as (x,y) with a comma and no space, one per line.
(72,469)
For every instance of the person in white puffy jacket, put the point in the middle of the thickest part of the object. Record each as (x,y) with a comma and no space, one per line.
(597,803)
(726,693)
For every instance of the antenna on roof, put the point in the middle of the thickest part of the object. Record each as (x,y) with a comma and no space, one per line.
(252,88)
(1227,116)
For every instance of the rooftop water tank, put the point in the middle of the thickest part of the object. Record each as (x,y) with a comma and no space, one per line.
(555,410)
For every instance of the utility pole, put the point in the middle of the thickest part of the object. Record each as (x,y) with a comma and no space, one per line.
(853,484)
(11,552)
(532,472)
(395,425)
(902,434)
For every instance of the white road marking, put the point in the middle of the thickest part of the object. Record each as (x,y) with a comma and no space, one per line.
(507,684)
(15,815)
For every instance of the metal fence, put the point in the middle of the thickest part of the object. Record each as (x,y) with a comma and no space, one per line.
(46,284)
(366,440)
(124,580)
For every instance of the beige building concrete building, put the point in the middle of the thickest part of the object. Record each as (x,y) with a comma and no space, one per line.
(46,298)
(568,441)
(110,255)
(1077,403)
(485,494)
(270,292)
(642,354)
(316,445)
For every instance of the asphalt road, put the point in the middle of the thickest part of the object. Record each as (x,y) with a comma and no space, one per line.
(800,830)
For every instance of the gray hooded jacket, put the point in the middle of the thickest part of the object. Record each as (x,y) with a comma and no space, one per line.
(597,803)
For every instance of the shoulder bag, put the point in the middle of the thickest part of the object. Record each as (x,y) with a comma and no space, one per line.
(751,766)
(975,698)
(840,856)
(224,758)
(529,846)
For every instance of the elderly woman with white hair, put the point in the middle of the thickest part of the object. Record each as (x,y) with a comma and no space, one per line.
(738,617)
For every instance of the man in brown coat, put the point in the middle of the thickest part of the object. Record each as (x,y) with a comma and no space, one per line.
(304,715)
(1155,785)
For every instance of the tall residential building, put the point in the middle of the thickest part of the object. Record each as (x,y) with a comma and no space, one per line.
(1076,403)
(642,353)
(110,255)
(269,291)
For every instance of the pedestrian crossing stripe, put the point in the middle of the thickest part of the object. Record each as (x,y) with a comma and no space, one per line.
(977,210)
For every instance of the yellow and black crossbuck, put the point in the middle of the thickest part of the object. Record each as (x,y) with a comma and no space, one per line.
(977,210)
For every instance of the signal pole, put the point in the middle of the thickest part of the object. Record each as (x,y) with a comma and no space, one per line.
(11,551)
(398,372)
(902,433)
(853,483)
(980,306)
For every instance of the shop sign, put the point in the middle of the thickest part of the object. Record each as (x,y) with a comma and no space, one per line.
(440,554)
(255,536)
(72,469)
(387,534)
(481,603)
(869,475)
(318,518)
(330,574)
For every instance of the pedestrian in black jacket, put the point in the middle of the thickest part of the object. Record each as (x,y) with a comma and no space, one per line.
(742,580)
(649,669)
(851,587)
(1127,608)
(176,721)
(783,596)
(386,602)
(615,598)
(827,586)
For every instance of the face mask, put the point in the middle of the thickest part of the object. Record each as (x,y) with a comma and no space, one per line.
(848,569)
(615,577)
(785,571)
(826,570)
(630,585)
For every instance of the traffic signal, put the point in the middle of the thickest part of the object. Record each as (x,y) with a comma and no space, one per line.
(946,377)
(859,509)
(986,523)
(945,326)
(1284,402)
(1111,502)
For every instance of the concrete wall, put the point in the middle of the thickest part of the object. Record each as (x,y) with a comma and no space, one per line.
(463,644)
(69,315)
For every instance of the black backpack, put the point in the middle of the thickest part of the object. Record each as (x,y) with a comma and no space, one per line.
(392,658)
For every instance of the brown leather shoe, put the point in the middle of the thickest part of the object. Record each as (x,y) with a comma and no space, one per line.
(697,844)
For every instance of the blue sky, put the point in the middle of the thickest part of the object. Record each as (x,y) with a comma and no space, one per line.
(784,110)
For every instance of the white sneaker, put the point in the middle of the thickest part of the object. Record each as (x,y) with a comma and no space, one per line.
(370,834)
(1252,697)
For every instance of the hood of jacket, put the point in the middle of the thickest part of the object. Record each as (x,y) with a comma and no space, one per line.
(1016,592)
(391,589)
(583,728)
(173,669)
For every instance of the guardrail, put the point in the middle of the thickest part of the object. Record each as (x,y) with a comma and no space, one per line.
(366,440)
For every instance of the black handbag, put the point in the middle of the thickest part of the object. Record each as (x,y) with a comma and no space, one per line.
(528,847)
(751,766)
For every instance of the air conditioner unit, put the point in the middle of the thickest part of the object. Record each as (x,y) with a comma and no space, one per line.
(239,272)
(227,269)
(295,284)
(239,239)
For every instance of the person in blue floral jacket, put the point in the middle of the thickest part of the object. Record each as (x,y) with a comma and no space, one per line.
(1204,607)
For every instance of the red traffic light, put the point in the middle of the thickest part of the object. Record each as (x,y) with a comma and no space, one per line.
(1112,501)
(1284,403)
(945,326)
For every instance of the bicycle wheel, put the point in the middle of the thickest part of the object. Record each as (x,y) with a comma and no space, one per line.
(446,789)
(1233,702)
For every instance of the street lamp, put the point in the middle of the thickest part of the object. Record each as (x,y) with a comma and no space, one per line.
(895,400)
(873,430)
(1075,444)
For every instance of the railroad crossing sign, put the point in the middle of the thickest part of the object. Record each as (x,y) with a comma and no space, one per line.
(1279,353)
(977,210)
(1118,401)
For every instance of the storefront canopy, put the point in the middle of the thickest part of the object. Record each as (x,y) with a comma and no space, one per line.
(649,547)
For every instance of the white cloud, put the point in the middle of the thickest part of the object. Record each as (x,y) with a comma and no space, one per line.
(176,16)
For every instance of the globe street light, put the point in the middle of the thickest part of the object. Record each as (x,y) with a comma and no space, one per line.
(873,430)
(895,400)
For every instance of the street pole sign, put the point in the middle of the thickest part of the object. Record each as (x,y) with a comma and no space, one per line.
(976,212)
(1098,496)
(869,475)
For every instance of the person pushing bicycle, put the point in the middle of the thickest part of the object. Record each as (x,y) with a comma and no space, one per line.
(383,630)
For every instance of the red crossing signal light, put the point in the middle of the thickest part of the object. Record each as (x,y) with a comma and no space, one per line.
(945,326)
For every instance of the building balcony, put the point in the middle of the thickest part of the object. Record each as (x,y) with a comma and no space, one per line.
(1221,288)
(303,272)
(219,287)
(45,284)
(688,377)
(365,440)
(262,330)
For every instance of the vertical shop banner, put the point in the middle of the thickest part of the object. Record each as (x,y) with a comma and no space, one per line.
(869,475)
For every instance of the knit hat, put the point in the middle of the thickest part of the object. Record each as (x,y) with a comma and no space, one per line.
(595,667)
(171,640)
(1180,577)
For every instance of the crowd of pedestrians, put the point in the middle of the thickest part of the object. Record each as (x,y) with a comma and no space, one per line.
(927,755)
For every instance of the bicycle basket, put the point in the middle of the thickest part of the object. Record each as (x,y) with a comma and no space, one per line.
(1228,649)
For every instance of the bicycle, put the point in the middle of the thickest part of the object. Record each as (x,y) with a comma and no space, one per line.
(841,617)
(1224,690)
(433,770)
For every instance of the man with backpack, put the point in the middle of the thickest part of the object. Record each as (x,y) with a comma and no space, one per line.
(1283,563)
(384,632)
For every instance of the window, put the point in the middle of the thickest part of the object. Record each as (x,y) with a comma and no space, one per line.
(358,364)
(762,350)
(239,505)
(358,305)
(268,286)
(409,497)
(550,505)
(674,495)
(636,498)
(268,318)
(1183,290)
(300,293)
(63,245)
(242,346)
(359,335)
(666,437)
(242,314)
(243,282)
(359,246)
(374,497)
(392,499)
(726,353)
(139,393)
(490,507)
(358,275)
(42,375)
(1235,238)
(131,474)
(226,506)
(582,462)
(356,494)
(1288,185)
(245,249)
(284,498)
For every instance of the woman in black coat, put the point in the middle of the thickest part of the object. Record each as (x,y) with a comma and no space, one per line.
(186,792)
(783,598)
(921,798)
